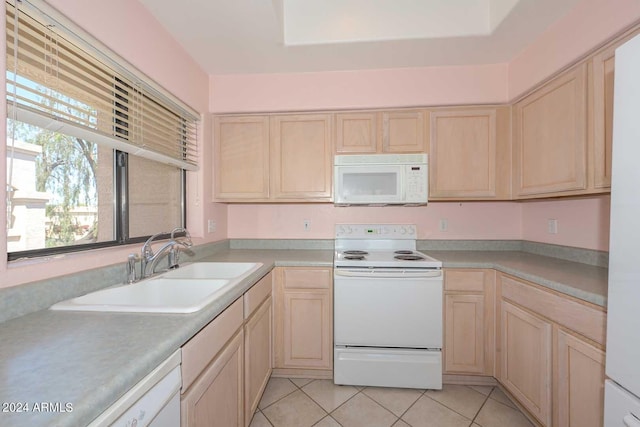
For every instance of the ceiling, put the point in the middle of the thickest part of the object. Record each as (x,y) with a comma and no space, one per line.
(280,36)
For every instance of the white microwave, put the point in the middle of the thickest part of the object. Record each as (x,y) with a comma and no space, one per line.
(381,179)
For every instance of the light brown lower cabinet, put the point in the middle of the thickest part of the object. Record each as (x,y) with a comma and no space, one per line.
(226,366)
(216,397)
(257,360)
(303,316)
(551,353)
(579,378)
(469,334)
(526,360)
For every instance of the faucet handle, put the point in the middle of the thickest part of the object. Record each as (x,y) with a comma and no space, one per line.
(173,258)
(131,268)
(186,240)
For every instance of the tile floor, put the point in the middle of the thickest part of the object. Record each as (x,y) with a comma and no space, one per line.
(303,402)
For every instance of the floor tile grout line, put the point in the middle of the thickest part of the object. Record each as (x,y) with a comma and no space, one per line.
(410,406)
(372,399)
(321,407)
(361,392)
(451,409)
(480,409)
(400,416)
(344,403)
(265,417)
(282,397)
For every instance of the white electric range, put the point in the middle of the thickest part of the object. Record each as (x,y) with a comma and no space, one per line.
(387,308)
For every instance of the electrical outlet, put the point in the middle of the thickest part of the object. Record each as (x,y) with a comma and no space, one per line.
(306,224)
(552,226)
(444,225)
(211,226)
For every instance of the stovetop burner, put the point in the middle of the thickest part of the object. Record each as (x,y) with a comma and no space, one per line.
(386,246)
(409,257)
(354,252)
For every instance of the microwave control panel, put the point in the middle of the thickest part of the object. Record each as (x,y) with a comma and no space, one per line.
(416,185)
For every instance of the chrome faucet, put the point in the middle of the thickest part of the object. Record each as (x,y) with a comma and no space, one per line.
(150,259)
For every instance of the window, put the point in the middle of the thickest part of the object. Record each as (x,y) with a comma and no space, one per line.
(96,155)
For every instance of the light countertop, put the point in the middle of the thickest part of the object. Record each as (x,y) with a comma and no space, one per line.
(582,281)
(90,359)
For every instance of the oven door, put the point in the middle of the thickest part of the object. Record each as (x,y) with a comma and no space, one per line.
(388,308)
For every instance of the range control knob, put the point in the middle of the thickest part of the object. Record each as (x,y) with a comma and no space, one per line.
(403,230)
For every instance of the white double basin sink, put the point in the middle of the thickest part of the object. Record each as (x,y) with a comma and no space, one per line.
(187,289)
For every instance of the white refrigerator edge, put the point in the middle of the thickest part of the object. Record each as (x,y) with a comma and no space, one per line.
(622,388)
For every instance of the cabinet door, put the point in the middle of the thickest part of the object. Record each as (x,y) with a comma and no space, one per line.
(216,398)
(603,77)
(462,154)
(257,357)
(403,132)
(302,157)
(550,137)
(241,157)
(303,333)
(356,133)
(579,380)
(526,360)
(307,340)
(464,334)
(469,321)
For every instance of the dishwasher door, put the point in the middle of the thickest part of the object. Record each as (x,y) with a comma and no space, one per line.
(153,402)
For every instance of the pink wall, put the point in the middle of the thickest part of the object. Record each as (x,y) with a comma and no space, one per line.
(586,26)
(582,223)
(402,87)
(129,29)
(473,220)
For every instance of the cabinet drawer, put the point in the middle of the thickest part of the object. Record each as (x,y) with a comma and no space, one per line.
(258,293)
(198,352)
(464,280)
(307,278)
(580,317)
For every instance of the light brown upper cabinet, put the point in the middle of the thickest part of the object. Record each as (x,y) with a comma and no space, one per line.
(241,157)
(550,138)
(469,156)
(357,132)
(301,157)
(273,158)
(404,131)
(401,131)
(603,76)
(601,116)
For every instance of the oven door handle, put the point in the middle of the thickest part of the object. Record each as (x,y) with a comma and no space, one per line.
(387,273)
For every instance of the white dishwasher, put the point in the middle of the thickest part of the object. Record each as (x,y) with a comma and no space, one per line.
(154,401)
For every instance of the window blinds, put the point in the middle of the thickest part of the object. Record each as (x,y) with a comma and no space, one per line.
(55,82)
